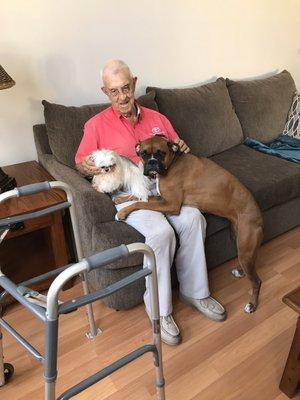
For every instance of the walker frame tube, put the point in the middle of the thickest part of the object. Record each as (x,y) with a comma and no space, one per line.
(50,316)
(41,187)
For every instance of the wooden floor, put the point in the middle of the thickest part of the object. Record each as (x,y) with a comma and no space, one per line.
(240,359)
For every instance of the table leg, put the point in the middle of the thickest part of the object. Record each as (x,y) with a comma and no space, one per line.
(57,238)
(291,375)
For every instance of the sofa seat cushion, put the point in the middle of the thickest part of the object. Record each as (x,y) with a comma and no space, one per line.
(215,224)
(262,105)
(272,180)
(65,125)
(203,116)
(112,234)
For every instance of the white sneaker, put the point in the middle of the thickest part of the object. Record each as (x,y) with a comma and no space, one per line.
(209,307)
(170,333)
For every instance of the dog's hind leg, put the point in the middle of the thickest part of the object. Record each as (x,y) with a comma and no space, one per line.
(237,272)
(249,237)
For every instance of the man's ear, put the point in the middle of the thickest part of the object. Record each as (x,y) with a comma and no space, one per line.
(174,147)
(134,79)
(104,90)
(138,148)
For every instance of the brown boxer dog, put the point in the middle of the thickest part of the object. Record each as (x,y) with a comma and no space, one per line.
(184,179)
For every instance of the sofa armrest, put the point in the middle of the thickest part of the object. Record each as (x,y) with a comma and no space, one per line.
(41,139)
(92,207)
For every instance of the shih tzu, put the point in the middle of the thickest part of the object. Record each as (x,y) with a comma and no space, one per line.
(119,173)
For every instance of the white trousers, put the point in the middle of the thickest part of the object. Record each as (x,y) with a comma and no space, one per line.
(158,230)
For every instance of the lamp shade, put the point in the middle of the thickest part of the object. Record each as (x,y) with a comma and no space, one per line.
(5,80)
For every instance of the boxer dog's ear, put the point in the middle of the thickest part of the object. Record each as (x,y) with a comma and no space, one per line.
(138,148)
(174,147)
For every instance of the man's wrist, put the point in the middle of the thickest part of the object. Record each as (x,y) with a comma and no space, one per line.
(82,171)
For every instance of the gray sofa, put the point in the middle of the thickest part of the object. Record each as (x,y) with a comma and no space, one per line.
(214,120)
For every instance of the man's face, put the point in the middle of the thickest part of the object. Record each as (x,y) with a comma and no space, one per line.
(120,90)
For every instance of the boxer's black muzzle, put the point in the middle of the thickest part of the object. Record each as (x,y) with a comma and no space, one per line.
(154,166)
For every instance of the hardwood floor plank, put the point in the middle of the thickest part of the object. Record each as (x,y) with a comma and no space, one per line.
(240,359)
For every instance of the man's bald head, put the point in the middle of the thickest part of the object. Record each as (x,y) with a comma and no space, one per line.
(115,67)
(119,86)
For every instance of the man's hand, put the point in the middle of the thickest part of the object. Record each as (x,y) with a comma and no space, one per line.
(87,167)
(183,147)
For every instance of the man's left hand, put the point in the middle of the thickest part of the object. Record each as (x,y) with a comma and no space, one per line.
(183,147)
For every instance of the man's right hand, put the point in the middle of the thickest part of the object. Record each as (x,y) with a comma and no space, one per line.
(87,167)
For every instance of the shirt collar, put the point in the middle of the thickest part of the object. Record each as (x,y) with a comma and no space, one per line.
(118,115)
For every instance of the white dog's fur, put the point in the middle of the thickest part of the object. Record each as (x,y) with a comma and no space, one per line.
(119,173)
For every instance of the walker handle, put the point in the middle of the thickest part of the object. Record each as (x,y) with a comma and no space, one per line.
(33,188)
(105,257)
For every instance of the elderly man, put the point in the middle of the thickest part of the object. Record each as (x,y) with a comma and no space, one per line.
(119,128)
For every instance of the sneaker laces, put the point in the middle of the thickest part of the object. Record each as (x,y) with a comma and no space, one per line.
(169,325)
(168,320)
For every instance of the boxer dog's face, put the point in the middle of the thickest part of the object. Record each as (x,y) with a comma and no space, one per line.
(156,153)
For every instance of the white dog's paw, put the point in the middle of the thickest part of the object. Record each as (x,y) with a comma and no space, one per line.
(249,308)
(238,273)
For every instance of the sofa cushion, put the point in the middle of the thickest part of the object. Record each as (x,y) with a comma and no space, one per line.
(262,105)
(203,116)
(215,224)
(272,180)
(65,125)
(148,100)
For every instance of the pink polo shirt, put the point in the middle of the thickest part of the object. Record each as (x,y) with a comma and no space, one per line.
(110,130)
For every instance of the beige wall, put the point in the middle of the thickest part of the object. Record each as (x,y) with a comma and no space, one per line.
(55,49)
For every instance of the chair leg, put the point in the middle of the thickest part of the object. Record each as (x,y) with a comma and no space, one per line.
(291,375)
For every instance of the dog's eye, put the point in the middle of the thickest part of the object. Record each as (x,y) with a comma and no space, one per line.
(144,153)
(161,153)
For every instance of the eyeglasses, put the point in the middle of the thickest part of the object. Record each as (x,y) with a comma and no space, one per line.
(127,89)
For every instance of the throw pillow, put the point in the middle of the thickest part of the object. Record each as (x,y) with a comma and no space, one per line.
(262,105)
(65,125)
(292,126)
(203,116)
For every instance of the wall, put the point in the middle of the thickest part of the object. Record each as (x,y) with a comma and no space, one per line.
(54,50)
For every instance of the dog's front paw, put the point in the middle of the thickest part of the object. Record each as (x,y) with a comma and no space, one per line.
(121,215)
(117,199)
(124,198)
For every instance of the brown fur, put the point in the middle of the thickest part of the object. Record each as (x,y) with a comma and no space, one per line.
(201,183)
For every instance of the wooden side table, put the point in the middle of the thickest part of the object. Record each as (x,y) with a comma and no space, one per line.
(39,246)
(290,380)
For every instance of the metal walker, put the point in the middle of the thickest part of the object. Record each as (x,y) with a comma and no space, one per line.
(53,308)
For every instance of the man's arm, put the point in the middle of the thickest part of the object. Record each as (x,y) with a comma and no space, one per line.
(83,161)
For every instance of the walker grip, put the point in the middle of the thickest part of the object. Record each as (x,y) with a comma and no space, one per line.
(33,188)
(105,257)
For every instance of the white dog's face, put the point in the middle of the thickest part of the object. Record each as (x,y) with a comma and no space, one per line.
(105,160)
(118,173)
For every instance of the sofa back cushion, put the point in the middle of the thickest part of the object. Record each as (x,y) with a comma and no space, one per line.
(65,125)
(262,105)
(203,116)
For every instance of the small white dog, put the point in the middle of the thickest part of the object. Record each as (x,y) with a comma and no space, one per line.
(119,173)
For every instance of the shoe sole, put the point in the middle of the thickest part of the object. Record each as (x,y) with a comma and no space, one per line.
(219,318)
(171,343)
